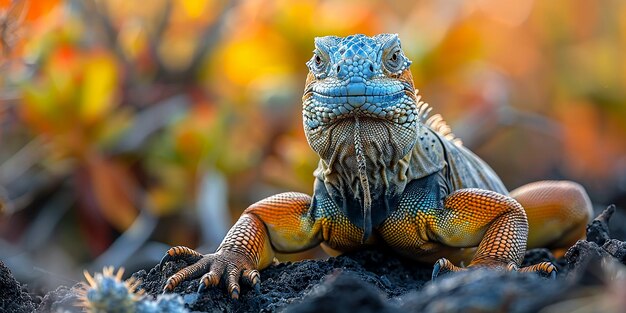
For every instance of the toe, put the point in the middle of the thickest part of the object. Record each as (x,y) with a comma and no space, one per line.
(546,269)
(233,283)
(170,284)
(166,258)
(443,266)
(191,271)
(180,252)
(253,278)
(553,275)
(436,269)
(210,279)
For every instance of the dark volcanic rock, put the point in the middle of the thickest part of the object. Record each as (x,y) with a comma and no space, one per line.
(534,256)
(582,254)
(598,229)
(379,281)
(12,297)
(63,299)
(287,283)
(598,246)
(616,248)
(484,291)
(343,293)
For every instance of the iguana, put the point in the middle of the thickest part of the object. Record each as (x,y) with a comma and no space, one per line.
(389,175)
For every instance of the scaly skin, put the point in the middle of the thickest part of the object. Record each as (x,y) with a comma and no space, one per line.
(388,175)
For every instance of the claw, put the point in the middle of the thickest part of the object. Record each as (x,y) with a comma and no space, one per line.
(166,258)
(232,280)
(436,269)
(208,280)
(443,266)
(253,278)
(234,293)
(169,285)
(544,268)
(202,287)
(181,252)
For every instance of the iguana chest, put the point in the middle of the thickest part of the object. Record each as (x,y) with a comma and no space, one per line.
(401,225)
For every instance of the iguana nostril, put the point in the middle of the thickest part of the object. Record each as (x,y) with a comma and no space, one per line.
(338,68)
(371,68)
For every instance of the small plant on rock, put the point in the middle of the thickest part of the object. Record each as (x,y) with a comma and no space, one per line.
(106,292)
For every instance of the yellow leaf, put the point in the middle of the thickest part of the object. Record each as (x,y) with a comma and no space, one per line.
(99,88)
(193,8)
(39,107)
(255,54)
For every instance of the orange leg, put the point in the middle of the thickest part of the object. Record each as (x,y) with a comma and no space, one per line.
(277,224)
(558,212)
(494,222)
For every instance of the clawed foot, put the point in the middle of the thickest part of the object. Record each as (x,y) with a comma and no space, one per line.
(546,269)
(444,266)
(230,267)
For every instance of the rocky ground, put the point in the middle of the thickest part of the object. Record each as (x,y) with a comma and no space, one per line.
(592,278)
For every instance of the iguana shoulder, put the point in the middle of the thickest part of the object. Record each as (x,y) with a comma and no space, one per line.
(438,149)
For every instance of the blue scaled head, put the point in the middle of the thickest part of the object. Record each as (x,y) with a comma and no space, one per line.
(359,77)
(357,56)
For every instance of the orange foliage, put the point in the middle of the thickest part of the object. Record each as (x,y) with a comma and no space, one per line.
(74,99)
(114,190)
(147,97)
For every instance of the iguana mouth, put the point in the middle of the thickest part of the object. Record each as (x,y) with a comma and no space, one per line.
(354,89)
(326,107)
(376,91)
(356,101)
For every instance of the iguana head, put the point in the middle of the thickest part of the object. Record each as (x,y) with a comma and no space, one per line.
(360,112)
(358,76)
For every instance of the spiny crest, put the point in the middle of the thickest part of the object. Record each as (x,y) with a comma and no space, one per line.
(435,122)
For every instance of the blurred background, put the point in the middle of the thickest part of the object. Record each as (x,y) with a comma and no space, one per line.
(130,126)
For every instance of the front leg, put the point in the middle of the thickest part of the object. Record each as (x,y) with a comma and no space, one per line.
(495,222)
(276,224)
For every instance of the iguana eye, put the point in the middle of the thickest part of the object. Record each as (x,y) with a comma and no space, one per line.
(318,60)
(318,63)
(394,60)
